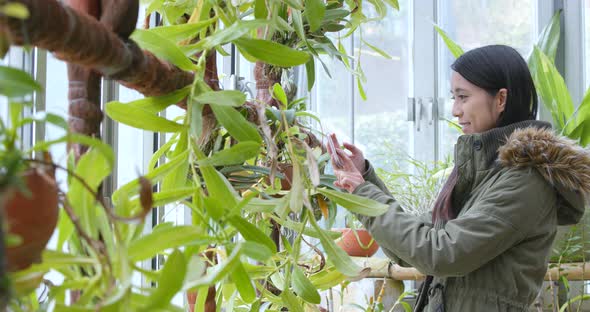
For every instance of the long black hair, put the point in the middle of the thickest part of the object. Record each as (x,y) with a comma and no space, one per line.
(492,68)
(495,67)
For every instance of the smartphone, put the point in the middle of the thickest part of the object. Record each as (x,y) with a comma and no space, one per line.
(333,141)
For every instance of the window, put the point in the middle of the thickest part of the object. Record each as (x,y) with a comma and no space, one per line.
(472,24)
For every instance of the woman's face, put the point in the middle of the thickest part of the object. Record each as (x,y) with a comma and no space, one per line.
(475,108)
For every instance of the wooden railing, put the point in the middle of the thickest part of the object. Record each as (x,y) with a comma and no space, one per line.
(381,267)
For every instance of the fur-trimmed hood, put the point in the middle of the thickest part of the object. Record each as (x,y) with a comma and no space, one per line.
(561,161)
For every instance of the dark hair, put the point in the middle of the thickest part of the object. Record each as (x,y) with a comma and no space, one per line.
(495,67)
(492,68)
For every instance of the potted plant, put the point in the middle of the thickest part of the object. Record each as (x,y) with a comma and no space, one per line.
(28,190)
(221,161)
(355,240)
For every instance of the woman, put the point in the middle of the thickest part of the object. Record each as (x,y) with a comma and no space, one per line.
(486,245)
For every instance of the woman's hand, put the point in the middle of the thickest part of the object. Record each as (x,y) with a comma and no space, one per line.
(357,157)
(349,177)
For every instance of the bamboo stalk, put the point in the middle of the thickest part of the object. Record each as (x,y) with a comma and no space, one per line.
(381,268)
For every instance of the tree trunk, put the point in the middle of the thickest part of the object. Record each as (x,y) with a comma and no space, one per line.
(81,39)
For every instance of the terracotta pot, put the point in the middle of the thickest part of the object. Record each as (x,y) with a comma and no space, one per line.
(350,244)
(32,216)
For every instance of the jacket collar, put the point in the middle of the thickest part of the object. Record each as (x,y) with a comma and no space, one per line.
(482,148)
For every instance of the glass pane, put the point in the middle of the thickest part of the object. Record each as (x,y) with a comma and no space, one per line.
(3,101)
(381,128)
(473,24)
(333,96)
(130,147)
(56,101)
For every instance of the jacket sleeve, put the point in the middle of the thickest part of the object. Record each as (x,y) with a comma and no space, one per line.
(503,216)
(371,176)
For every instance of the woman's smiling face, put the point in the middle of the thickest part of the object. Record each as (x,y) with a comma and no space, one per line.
(476,110)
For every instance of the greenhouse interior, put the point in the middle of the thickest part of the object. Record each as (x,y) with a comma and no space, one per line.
(294,155)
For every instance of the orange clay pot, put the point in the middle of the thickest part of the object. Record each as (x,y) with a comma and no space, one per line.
(350,244)
(32,216)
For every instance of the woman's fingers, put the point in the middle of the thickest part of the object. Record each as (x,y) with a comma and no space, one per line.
(352,148)
(345,158)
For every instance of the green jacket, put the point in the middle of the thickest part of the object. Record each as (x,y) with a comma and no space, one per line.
(515,185)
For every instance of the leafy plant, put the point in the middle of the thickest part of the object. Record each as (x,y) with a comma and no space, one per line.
(416,184)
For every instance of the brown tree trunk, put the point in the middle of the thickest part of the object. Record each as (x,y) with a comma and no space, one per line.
(81,39)
(84,110)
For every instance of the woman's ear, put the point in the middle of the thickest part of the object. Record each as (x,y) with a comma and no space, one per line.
(500,100)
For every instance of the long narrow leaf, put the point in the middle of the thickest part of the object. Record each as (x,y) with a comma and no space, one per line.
(272,53)
(354,203)
(451,45)
(163,48)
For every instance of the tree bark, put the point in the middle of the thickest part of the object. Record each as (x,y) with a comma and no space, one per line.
(81,39)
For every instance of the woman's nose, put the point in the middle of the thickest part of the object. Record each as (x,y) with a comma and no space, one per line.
(456,111)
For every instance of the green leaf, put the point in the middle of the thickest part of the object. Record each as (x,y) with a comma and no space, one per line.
(336,255)
(243,283)
(169,283)
(361,90)
(236,154)
(355,203)
(140,118)
(549,38)
(303,287)
(311,232)
(15,10)
(218,187)
(290,301)
(163,48)
(219,271)
(177,178)
(297,189)
(180,32)
(92,167)
(393,3)
(236,124)
(379,51)
(295,4)
(156,242)
(15,82)
(380,9)
(451,45)
(155,176)
(262,205)
(310,70)
(251,232)
(335,15)
(256,251)
(162,198)
(260,10)
(227,98)
(327,278)
(156,104)
(279,94)
(314,12)
(272,53)
(574,300)
(97,144)
(553,90)
(223,36)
